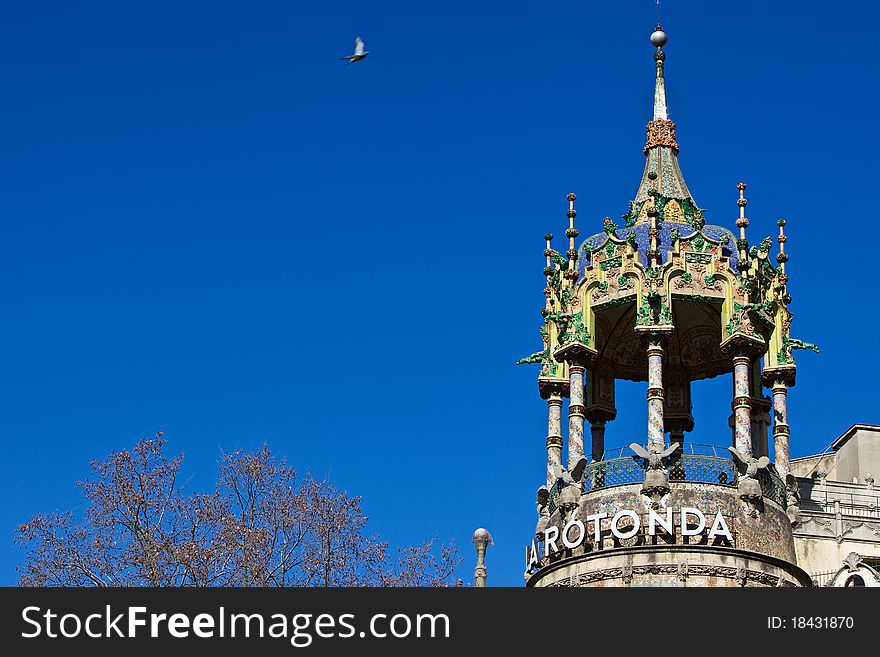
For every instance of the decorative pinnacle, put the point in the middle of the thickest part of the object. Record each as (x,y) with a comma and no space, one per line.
(548,271)
(742,222)
(548,254)
(652,211)
(782,256)
(742,243)
(572,232)
(653,232)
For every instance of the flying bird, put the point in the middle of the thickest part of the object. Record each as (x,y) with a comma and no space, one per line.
(359,52)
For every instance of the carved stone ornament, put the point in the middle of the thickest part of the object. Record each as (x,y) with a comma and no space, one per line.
(852,561)
(656,483)
(792,500)
(570,486)
(661,132)
(749,487)
(543,508)
(683,571)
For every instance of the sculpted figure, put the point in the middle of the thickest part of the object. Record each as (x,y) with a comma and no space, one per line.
(792,500)
(656,484)
(749,487)
(543,511)
(570,482)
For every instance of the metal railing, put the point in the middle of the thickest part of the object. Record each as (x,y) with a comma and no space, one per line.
(823,579)
(850,499)
(684,467)
(862,506)
(693,462)
(699,449)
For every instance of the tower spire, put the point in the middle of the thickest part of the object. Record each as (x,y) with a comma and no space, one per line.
(658,40)
(661,149)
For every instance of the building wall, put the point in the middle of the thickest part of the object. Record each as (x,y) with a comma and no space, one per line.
(840,505)
(859,456)
(823,555)
(809,465)
(671,566)
(762,553)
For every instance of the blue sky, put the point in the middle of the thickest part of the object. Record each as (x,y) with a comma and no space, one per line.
(211,224)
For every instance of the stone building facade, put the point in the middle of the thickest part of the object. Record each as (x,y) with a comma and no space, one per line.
(837,536)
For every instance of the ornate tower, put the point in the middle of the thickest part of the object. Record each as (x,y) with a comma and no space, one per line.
(667,299)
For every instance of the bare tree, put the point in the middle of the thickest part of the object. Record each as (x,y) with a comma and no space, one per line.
(261,526)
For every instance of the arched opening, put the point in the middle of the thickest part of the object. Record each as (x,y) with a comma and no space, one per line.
(711,410)
(630,425)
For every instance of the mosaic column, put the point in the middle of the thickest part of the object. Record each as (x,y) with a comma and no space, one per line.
(742,409)
(676,459)
(597,451)
(780,428)
(760,410)
(576,414)
(677,417)
(655,393)
(597,433)
(554,437)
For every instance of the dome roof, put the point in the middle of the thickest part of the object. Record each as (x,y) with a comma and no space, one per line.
(718,233)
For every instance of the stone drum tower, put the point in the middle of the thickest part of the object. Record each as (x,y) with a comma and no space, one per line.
(663,297)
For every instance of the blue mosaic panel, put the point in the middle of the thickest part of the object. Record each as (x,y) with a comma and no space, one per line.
(717,233)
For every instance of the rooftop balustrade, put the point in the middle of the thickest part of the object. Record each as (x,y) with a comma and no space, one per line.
(692,462)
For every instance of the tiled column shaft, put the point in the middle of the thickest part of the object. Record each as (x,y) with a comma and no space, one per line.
(655,394)
(597,433)
(576,415)
(554,437)
(780,429)
(676,435)
(742,406)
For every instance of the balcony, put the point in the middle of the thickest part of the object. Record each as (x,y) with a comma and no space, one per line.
(693,462)
(840,497)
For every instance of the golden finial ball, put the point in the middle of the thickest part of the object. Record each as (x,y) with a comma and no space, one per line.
(740,186)
(571,197)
